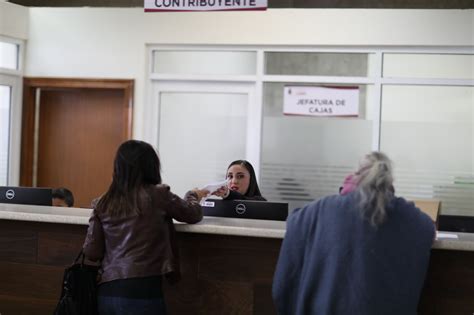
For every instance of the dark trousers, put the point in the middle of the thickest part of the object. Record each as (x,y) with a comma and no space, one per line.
(116,305)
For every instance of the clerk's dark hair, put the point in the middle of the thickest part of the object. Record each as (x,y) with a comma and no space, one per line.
(64,194)
(253,189)
(136,166)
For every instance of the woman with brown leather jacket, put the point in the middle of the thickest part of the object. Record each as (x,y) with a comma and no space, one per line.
(131,232)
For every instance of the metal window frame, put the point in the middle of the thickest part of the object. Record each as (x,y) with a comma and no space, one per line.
(376,79)
(13,78)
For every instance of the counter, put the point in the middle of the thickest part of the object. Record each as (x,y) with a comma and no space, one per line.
(227,264)
(209,225)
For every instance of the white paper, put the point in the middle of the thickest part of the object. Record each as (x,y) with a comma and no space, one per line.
(214,186)
(446,235)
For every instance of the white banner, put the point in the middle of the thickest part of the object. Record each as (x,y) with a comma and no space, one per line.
(204,5)
(321,101)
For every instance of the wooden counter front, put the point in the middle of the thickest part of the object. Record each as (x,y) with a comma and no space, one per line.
(222,274)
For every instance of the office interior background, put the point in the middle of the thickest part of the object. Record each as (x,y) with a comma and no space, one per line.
(206,88)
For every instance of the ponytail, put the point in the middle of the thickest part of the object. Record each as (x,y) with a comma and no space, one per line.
(375,187)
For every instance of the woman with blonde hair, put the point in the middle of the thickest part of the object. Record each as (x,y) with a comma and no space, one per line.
(364,252)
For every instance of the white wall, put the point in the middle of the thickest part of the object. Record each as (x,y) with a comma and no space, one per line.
(111,43)
(13,20)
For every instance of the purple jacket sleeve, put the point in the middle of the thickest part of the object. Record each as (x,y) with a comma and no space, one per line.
(184,210)
(94,243)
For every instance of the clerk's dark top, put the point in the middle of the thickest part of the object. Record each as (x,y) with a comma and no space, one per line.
(332,261)
(235,195)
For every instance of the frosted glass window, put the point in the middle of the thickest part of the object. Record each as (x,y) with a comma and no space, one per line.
(199,135)
(428,66)
(5,97)
(8,56)
(428,132)
(306,158)
(321,64)
(205,62)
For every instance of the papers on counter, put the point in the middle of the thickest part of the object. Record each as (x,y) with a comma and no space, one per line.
(214,186)
(443,235)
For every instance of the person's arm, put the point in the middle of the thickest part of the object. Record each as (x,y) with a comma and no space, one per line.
(94,244)
(184,210)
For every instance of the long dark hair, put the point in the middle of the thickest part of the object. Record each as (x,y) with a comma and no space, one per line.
(136,165)
(253,189)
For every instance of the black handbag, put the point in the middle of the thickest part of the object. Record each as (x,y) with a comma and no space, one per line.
(79,290)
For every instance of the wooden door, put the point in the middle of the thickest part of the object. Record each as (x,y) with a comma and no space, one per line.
(78,132)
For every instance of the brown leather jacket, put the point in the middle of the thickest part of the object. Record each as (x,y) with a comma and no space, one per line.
(141,245)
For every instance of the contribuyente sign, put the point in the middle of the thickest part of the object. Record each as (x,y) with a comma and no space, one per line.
(204,5)
(321,101)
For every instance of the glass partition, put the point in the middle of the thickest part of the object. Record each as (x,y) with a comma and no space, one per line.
(319,64)
(305,158)
(428,132)
(429,66)
(200,133)
(9,55)
(205,62)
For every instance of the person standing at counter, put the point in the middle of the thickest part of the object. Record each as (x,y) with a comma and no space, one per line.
(241,183)
(362,253)
(131,232)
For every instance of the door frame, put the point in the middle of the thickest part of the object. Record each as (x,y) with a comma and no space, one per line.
(30,88)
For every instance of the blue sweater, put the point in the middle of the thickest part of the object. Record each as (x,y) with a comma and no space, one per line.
(332,261)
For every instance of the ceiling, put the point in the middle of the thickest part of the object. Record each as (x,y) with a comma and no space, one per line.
(322,4)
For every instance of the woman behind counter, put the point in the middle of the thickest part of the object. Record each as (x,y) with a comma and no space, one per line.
(241,183)
(131,231)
